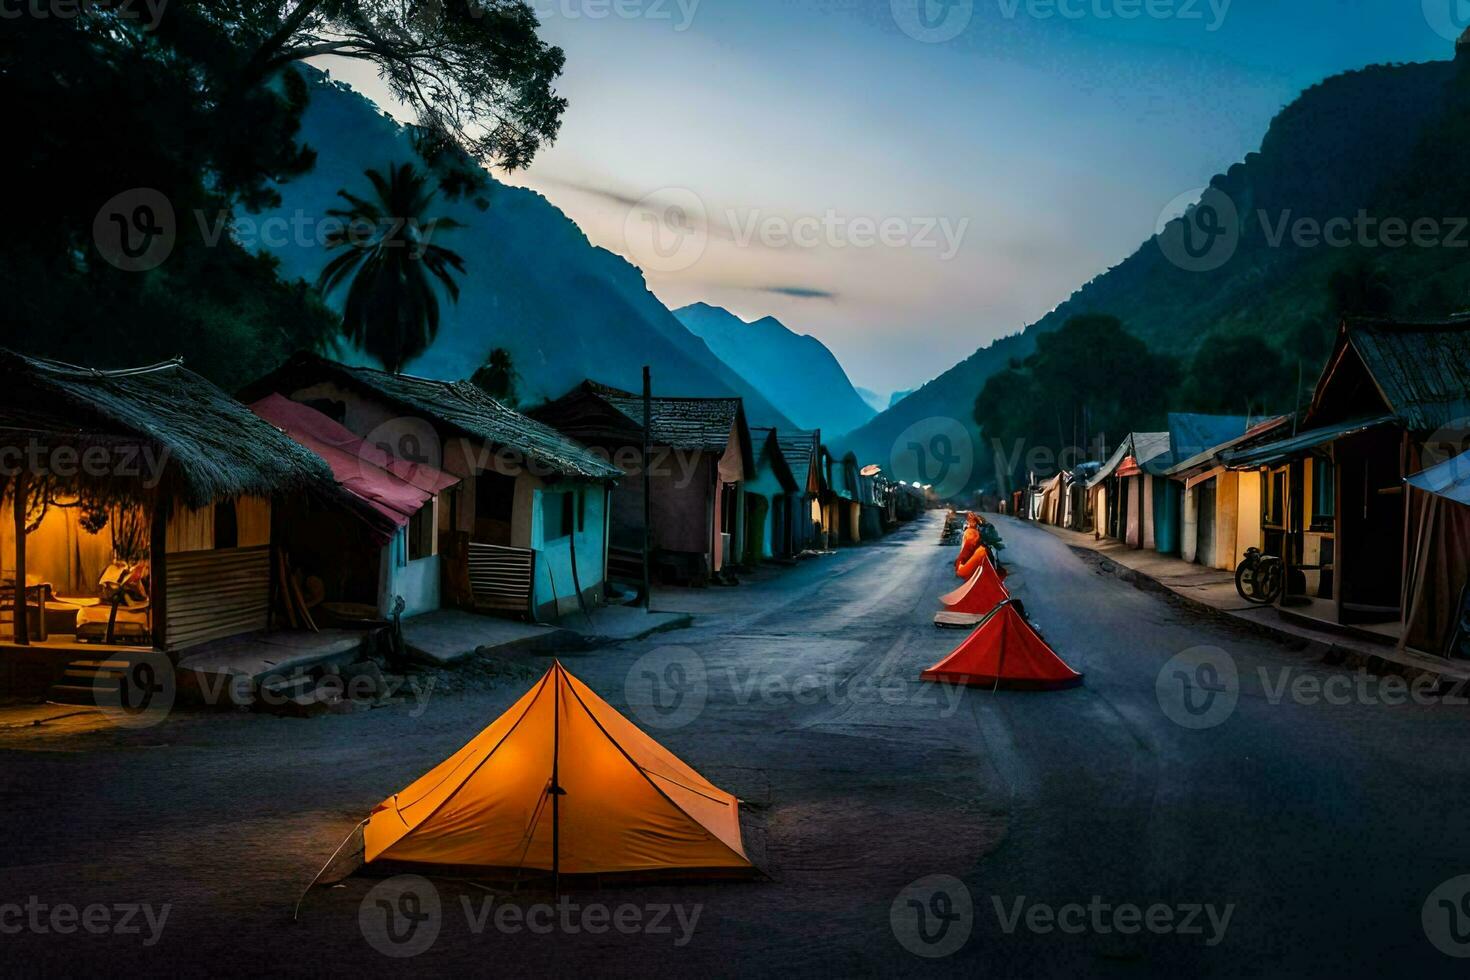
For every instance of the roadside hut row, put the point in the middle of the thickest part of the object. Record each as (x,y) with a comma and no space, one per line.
(1362,495)
(147,506)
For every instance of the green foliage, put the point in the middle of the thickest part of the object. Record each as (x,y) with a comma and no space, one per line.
(1091,379)
(1238,375)
(497,377)
(202,110)
(390,263)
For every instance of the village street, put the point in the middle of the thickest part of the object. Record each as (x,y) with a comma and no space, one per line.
(1256,828)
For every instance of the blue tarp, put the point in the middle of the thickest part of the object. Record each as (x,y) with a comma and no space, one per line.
(1450,479)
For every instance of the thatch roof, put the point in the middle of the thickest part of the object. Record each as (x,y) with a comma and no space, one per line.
(702,424)
(208,445)
(456,405)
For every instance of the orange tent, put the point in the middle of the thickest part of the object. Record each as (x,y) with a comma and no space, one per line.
(982,593)
(1004,652)
(561,782)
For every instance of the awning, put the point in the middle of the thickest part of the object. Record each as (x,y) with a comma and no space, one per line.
(1287,449)
(1450,479)
(394,488)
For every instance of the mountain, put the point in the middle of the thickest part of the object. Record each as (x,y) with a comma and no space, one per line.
(1381,142)
(899,396)
(796,372)
(876,401)
(564,308)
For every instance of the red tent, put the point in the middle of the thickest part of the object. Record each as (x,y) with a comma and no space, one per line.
(1005,652)
(982,593)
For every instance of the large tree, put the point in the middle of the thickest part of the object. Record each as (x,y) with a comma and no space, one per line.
(110,112)
(475,71)
(1090,380)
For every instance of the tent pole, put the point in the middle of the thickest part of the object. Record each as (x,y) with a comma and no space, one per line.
(556,788)
(647,489)
(22,632)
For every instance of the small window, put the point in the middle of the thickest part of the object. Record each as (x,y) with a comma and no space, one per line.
(1273,506)
(226,525)
(421,533)
(1324,493)
(495,495)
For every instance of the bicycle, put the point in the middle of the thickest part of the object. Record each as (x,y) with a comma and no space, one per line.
(1260,578)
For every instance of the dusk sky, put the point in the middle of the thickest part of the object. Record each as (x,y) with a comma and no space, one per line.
(907,201)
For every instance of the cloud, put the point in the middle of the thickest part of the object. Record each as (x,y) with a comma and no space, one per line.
(799,292)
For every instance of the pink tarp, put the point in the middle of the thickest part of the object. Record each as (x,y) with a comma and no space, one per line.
(396,488)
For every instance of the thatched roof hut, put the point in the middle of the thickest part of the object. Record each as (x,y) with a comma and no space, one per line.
(161,427)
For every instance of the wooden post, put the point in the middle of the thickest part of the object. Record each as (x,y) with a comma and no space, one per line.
(158,568)
(22,625)
(647,484)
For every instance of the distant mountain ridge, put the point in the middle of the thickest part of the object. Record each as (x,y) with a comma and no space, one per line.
(1383,139)
(798,373)
(564,308)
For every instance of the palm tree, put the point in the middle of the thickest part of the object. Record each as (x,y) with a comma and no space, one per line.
(390,263)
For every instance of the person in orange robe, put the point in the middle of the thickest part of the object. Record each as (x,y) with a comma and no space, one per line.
(972,552)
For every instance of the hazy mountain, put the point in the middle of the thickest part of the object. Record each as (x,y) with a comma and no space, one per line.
(564,308)
(898,396)
(876,401)
(799,375)
(1383,141)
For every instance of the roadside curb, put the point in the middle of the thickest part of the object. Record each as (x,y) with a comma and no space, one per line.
(1329,650)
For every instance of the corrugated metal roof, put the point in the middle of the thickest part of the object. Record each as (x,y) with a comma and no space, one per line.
(1145,447)
(1285,449)
(1191,434)
(1423,369)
